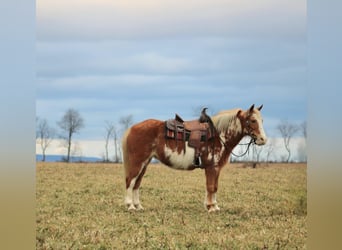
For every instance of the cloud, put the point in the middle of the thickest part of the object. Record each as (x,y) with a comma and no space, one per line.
(200,56)
(101,20)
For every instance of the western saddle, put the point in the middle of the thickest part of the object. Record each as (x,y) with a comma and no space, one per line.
(195,132)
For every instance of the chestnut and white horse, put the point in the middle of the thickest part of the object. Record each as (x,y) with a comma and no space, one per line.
(147,139)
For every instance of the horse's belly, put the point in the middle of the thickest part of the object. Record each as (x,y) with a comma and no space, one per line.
(180,160)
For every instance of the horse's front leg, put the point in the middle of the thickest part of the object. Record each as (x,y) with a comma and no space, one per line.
(212,174)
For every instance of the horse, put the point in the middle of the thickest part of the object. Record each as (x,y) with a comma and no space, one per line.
(145,140)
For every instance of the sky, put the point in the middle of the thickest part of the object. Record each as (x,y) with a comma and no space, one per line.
(152,59)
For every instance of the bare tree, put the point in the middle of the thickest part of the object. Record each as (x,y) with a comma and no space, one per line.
(44,135)
(115,138)
(126,121)
(70,123)
(287,130)
(269,147)
(302,146)
(109,132)
(256,150)
(301,151)
(302,127)
(76,150)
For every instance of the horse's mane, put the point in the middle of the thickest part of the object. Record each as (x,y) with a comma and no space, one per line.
(223,119)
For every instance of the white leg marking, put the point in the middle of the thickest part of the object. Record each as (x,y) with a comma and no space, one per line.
(129,194)
(213,207)
(132,195)
(216,207)
(136,200)
(131,207)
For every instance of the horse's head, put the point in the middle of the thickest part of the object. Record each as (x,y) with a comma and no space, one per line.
(252,124)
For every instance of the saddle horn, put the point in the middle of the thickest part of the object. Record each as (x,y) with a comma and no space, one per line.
(204,117)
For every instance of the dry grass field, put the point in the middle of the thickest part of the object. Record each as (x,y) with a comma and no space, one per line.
(80,206)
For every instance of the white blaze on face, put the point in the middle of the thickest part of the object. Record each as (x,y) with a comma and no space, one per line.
(261,137)
(180,160)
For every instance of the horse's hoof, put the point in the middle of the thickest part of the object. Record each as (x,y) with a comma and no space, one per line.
(213,209)
(139,207)
(131,207)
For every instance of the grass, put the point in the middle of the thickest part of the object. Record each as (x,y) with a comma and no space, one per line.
(80,206)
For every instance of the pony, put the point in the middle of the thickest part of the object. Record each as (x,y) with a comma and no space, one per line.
(145,140)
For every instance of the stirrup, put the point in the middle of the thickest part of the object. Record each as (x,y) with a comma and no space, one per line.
(197,162)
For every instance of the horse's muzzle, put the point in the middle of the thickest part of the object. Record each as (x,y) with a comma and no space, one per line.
(260,141)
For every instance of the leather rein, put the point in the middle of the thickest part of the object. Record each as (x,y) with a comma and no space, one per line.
(249,144)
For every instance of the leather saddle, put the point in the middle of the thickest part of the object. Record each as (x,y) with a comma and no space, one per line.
(195,132)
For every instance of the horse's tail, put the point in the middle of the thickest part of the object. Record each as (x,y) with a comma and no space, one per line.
(124,151)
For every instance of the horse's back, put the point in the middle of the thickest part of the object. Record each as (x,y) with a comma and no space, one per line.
(142,136)
(147,125)
(145,130)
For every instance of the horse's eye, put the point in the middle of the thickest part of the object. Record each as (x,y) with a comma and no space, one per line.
(253,121)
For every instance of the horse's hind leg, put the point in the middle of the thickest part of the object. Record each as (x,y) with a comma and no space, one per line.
(133,180)
(136,199)
(138,145)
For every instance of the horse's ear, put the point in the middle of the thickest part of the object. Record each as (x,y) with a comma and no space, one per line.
(239,113)
(259,108)
(251,108)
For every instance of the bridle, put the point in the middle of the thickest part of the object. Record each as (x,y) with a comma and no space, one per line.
(240,144)
(249,133)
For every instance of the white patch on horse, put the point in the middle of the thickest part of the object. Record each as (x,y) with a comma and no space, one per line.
(136,200)
(213,207)
(261,138)
(180,160)
(129,194)
(218,155)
